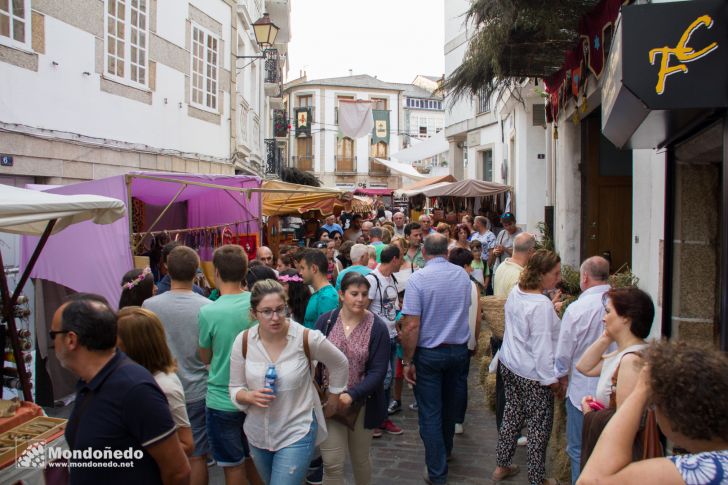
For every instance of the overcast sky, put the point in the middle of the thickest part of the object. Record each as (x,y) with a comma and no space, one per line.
(392,39)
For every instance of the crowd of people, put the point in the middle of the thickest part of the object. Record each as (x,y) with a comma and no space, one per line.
(299,359)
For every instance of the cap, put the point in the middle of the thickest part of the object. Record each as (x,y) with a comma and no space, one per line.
(508,217)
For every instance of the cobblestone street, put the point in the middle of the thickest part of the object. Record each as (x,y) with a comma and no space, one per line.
(400,459)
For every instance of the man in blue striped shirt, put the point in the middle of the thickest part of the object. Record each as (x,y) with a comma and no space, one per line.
(435,339)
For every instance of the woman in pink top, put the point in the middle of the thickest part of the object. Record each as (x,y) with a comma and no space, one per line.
(364,339)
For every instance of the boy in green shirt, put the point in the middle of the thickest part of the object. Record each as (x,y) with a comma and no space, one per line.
(220,323)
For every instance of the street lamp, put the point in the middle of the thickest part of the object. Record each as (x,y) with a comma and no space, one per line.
(265,35)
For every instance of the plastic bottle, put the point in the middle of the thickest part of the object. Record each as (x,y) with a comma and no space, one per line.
(271,376)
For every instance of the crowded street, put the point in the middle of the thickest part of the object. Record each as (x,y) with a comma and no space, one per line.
(322,242)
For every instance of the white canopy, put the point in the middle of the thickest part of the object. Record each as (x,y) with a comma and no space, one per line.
(435,145)
(402,168)
(24,211)
(421,190)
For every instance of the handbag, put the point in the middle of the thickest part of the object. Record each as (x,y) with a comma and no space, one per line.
(346,416)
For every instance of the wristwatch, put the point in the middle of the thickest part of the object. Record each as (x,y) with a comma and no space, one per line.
(406,364)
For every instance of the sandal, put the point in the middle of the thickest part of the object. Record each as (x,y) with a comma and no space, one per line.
(510,471)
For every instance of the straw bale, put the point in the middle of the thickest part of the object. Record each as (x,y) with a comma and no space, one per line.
(494,314)
(558,463)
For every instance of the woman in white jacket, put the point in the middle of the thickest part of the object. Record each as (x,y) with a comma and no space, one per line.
(527,367)
(284,422)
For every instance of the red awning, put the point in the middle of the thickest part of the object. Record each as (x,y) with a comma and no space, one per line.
(373,191)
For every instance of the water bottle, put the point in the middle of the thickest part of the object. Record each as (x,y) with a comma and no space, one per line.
(270,378)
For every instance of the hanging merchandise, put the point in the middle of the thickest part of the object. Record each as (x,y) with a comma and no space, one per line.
(303,121)
(381,126)
(355,118)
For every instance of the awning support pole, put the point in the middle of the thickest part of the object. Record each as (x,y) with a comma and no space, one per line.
(8,309)
(156,221)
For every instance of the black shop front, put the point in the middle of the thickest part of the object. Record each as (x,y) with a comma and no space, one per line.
(666,88)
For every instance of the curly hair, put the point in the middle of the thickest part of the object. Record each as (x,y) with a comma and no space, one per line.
(540,263)
(689,385)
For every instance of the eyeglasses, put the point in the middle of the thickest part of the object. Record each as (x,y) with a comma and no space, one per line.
(337,238)
(268,313)
(52,334)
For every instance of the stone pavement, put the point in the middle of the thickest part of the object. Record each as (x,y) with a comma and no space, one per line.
(400,460)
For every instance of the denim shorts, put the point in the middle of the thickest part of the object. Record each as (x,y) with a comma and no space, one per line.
(196,414)
(227,439)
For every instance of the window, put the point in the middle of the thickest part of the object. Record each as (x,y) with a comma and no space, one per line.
(126,40)
(336,109)
(305,101)
(483,102)
(487,165)
(378,150)
(14,24)
(256,132)
(423,130)
(379,103)
(243,124)
(345,155)
(204,68)
(304,150)
(539,115)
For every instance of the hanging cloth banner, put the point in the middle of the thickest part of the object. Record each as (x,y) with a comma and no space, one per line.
(355,118)
(381,126)
(303,121)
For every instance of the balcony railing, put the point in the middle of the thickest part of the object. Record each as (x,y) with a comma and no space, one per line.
(376,168)
(272,66)
(280,123)
(273,159)
(345,164)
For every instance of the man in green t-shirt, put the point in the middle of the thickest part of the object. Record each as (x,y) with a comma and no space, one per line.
(220,322)
(325,298)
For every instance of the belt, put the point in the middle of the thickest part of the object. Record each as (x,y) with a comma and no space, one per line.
(443,346)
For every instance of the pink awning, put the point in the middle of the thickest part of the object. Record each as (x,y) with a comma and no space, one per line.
(361,191)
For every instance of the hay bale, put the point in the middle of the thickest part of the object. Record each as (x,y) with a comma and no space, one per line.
(487,382)
(494,314)
(484,344)
(558,463)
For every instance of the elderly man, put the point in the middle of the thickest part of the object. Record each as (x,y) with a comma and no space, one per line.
(580,327)
(359,260)
(398,219)
(504,241)
(366,226)
(426,223)
(508,273)
(118,406)
(265,256)
(435,341)
(331,226)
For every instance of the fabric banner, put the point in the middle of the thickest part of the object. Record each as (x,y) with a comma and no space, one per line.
(381,126)
(355,118)
(303,121)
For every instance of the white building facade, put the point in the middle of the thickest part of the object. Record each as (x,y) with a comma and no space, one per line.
(501,138)
(336,160)
(96,88)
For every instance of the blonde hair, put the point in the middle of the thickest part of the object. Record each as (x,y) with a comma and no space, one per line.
(143,339)
(263,288)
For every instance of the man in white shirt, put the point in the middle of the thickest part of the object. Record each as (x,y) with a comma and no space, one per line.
(398,219)
(383,301)
(580,327)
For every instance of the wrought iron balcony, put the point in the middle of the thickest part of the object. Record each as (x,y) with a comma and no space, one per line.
(280,123)
(273,159)
(272,67)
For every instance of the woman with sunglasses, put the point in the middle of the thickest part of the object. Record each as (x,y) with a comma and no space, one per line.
(270,380)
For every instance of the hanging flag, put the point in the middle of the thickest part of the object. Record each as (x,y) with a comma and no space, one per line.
(303,121)
(355,118)
(381,126)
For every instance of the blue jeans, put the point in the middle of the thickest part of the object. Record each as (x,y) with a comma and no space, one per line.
(389,378)
(574,425)
(226,436)
(196,413)
(442,374)
(289,465)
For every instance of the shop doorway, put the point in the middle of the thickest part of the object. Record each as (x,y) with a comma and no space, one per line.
(606,196)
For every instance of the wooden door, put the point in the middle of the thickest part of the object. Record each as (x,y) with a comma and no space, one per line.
(304,153)
(606,196)
(345,155)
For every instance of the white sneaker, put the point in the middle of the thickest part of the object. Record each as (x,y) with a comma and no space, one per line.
(459,428)
(522,441)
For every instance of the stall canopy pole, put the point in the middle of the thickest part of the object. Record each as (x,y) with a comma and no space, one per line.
(8,309)
(156,221)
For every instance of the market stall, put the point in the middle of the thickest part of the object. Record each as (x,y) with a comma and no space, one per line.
(454,200)
(203,211)
(410,196)
(41,215)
